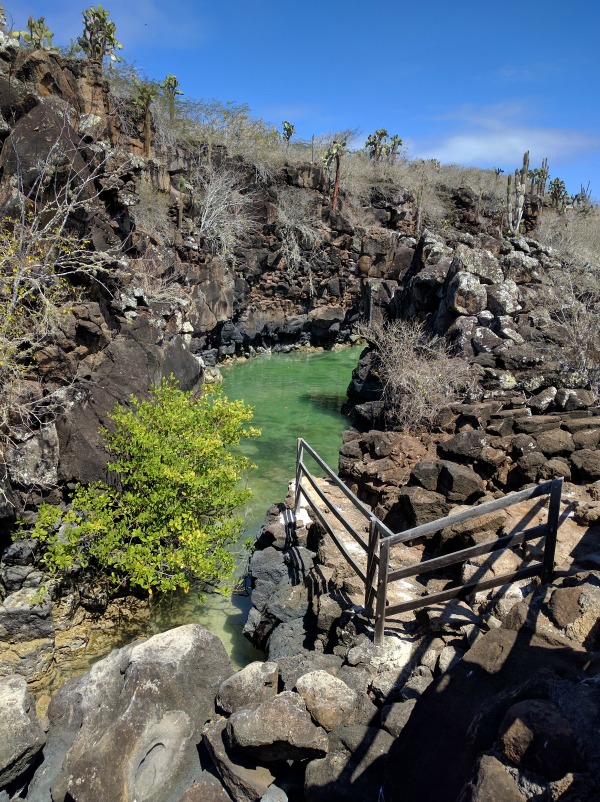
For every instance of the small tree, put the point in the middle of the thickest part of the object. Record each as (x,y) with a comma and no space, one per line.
(224,207)
(168,515)
(170,87)
(99,35)
(44,267)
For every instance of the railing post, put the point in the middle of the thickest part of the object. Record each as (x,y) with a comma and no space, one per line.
(298,475)
(551,531)
(372,556)
(382,577)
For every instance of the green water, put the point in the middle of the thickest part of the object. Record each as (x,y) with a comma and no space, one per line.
(294,395)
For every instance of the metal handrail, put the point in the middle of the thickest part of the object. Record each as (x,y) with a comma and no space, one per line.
(379,573)
(544,569)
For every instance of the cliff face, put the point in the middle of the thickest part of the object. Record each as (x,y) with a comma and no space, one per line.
(165,297)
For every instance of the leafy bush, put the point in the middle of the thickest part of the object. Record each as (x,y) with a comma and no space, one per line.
(168,514)
(418,374)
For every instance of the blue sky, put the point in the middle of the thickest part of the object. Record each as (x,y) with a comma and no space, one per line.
(465,82)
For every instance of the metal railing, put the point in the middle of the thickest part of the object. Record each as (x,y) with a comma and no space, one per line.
(379,572)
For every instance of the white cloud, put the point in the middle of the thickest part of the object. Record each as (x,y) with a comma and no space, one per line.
(497,135)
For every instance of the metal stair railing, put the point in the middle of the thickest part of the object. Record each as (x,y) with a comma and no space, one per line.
(379,572)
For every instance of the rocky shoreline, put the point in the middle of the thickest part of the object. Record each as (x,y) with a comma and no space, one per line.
(491,695)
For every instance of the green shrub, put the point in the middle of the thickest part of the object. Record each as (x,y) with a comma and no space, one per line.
(168,514)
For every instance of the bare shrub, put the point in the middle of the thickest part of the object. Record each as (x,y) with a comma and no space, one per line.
(152,211)
(296,221)
(222,207)
(44,267)
(576,306)
(418,374)
(574,234)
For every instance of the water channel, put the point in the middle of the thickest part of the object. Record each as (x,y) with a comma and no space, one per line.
(294,395)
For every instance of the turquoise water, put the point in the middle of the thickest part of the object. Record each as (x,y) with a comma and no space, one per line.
(294,395)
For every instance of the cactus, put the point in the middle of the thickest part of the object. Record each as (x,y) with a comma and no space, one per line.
(37,36)
(99,35)
(538,178)
(394,147)
(145,94)
(378,146)
(515,196)
(333,154)
(558,193)
(288,132)
(375,142)
(170,87)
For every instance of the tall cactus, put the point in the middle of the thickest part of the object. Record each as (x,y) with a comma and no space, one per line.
(99,35)
(170,87)
(333,155)
(144,96)
(515,196)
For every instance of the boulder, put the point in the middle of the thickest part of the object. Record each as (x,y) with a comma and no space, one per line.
(416,506)
(555,443)
(130,726)
(466,296)
(354,768)
(503,299)
(255,683)
(491,782)
(330,701)
(292,668)
(278,729)
(465,446)
(33,462)
(520,268)
(268,565)
(459,483)
(288,639)
(287,602)
(426,286)
(394,717)
(21,737)
(480,263)
(586,464)
(26,615)
(206,789)
(245,779)
(534,735)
